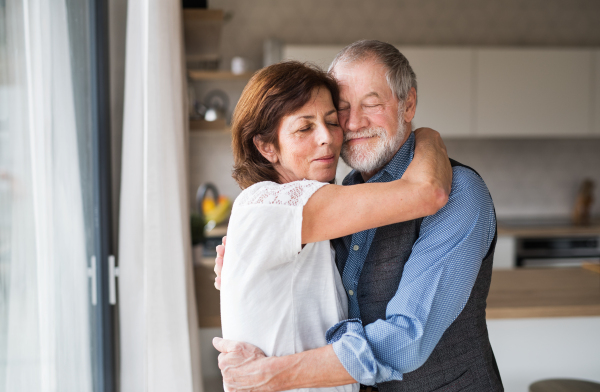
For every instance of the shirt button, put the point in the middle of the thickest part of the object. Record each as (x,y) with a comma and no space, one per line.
(356,247)
(351,292)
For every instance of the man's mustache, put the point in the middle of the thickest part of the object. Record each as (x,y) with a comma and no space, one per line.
(373,132)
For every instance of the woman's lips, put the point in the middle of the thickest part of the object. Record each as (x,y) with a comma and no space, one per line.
(325,159)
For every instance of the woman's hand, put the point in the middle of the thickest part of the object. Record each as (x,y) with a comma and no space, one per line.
(431,167)
(219,263)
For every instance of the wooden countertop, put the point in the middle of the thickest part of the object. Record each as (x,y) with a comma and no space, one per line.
(518,293)
(552,292)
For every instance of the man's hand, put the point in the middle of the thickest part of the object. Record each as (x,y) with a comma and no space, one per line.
(244,367)
(219,263)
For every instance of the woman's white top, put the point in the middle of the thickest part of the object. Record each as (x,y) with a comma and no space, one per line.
(275,294)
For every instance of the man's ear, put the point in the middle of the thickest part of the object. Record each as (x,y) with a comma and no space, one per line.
(267,150)
(410,105)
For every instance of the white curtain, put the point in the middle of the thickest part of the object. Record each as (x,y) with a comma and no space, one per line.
(44,296)
(158,322)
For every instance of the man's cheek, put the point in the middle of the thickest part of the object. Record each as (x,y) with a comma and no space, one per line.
(343,121)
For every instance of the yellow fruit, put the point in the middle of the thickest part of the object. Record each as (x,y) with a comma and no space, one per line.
(220,212)
(208,204)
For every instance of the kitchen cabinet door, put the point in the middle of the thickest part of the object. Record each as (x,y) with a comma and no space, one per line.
(533,92)
(505,254)
(444,88)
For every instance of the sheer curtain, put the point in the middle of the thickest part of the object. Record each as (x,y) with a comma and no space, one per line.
(44,295)
(158,326)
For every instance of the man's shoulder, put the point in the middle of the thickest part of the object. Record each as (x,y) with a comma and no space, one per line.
(469,211)
(469,198)
(466,181)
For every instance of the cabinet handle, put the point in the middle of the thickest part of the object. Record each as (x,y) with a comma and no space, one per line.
(113,273)
(93,286)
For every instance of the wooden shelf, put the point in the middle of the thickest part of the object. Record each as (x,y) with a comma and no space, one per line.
(199,74)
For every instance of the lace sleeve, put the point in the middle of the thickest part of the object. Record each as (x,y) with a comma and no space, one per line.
(291,194)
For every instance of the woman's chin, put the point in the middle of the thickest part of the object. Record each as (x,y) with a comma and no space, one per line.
(325,176)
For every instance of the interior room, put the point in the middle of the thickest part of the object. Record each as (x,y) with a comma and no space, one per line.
(120,139)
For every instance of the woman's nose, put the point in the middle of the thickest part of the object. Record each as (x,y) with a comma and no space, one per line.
(324,135)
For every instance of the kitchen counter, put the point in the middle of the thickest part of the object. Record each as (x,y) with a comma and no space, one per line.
(515,293)
(553,292)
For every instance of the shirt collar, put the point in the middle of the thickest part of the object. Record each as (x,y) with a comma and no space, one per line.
(393,170)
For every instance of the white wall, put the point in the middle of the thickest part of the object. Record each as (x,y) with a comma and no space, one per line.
(529,350)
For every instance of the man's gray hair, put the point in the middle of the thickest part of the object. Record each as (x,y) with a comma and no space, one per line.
(400,76)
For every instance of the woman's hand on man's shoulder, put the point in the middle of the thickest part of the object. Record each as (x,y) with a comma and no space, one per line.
(219,263)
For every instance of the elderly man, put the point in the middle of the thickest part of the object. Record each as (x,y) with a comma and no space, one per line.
(417,290)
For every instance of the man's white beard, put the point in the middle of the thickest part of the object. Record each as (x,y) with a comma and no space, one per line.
(367,158)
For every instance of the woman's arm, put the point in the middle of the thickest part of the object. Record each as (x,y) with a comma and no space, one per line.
(335,211)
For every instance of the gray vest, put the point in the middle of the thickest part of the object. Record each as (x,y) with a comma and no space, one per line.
(463,359)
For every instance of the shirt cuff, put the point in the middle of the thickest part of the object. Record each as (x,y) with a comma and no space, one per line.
(350,344)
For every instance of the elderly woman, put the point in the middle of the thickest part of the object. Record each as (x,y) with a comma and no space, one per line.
(280,287)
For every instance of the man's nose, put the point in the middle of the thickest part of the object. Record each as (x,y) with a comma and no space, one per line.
(356,120)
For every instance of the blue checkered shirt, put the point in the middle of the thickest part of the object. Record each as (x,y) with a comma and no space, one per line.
(435,285)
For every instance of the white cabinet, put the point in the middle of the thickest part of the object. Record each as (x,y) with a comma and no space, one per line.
(321,55)
(505,255)
(499,93)
(596,129)
(533,92)
(444,84)
(533,349)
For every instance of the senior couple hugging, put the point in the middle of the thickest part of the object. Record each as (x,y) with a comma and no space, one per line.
(376,284)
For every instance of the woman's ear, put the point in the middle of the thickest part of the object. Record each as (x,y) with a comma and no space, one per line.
(267,150)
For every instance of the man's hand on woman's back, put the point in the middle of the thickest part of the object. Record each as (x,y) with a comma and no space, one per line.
(219,263)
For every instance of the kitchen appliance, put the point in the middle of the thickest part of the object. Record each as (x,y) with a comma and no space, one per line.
(550,241)
(564,251)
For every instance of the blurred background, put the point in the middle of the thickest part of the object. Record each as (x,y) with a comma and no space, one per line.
(115,171)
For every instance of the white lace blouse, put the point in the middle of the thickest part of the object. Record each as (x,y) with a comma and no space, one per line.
(274,293)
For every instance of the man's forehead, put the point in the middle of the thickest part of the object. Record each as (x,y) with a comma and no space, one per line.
(368,65)
(366,80)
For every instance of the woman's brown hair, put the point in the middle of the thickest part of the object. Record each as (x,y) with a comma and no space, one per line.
(272,93)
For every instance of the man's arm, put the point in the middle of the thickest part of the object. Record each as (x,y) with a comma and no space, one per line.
(436,284)
(246,368)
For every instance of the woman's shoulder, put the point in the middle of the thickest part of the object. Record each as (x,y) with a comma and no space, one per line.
(292,194)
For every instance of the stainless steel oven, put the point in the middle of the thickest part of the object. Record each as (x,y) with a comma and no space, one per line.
(567,251)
